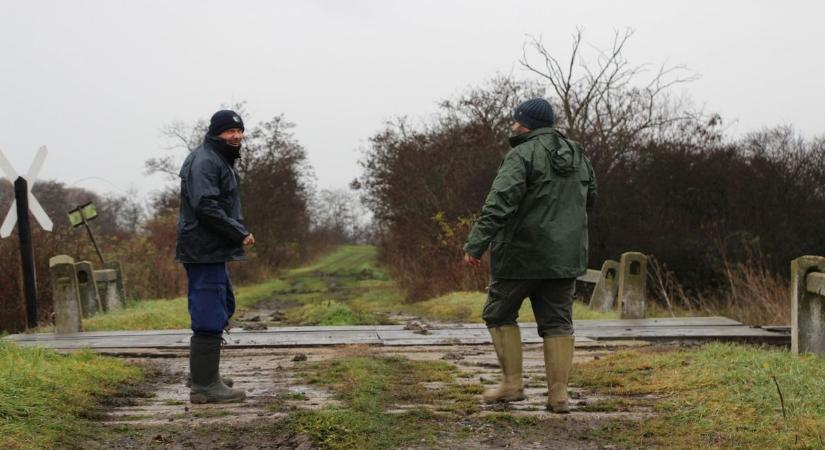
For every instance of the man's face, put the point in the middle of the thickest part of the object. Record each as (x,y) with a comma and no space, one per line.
(232,136)
(518,129)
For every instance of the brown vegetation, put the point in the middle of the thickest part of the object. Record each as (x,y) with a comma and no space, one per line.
(671,184)
(278,200)
(751,293)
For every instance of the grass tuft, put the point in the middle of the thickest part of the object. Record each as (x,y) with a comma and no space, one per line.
(720,395)
(46,397)
(368,386)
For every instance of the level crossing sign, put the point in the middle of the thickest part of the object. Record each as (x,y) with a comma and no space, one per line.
(34,206)
(24,203)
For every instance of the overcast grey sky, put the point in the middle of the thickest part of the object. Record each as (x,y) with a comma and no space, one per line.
(96,80)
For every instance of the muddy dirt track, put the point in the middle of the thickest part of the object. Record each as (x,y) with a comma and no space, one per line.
(159,416)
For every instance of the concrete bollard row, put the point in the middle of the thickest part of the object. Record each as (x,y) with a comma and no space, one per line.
(607,287)
(623,286)
(79,291)
(106,281)
(89,296)
(808,305)
(66,294)
(633,285)
(121,281)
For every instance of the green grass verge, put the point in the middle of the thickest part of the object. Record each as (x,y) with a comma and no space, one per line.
(367,387)
(44,396)
(345,287)
(468,306)
(718,396)
(170,314)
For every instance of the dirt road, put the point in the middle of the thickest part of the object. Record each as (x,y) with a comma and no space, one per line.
(159,415)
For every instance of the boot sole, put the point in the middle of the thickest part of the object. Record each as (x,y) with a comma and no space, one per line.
(559,409)
(516,398)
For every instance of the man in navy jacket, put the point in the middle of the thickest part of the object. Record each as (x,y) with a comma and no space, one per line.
(211,232)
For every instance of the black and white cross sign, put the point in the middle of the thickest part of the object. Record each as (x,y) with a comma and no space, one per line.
(25,202)
(34,206)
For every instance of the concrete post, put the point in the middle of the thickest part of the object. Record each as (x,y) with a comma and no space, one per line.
(89,297)
(67,312)
(632,285)
(807,305)
(604,294)
(121,280)
(106,280)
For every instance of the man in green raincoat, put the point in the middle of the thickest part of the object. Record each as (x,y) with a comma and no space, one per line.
(535,222)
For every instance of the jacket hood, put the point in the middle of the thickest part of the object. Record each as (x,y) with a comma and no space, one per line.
(564,158)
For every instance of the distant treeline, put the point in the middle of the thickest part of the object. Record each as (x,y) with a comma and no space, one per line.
(290,219)
(671,184)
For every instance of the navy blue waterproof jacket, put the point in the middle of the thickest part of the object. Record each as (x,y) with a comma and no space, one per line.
(210,225)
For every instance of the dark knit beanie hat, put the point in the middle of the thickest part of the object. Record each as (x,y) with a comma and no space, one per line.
(224,120)
(535,113)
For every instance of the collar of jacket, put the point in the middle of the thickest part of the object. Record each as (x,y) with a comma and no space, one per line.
(522,138)
(228,153)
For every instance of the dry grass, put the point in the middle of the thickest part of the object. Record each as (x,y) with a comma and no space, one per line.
(752,294)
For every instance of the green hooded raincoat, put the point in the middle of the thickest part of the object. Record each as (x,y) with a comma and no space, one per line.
(535,217)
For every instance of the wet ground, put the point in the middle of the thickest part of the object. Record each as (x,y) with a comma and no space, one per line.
(159,415)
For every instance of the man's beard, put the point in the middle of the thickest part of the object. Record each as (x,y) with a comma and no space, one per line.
(232,152)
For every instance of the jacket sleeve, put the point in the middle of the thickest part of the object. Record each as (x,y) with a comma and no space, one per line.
(204,193)
(592,191)
(502,203)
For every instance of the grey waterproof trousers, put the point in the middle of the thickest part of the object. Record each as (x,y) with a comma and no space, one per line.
(551,300)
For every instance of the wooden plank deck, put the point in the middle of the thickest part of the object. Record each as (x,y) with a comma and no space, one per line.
(658,329)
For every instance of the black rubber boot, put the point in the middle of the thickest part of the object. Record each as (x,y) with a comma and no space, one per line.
(204,359)
(229,382)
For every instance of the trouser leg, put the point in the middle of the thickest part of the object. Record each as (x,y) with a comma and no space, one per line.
(211,302)
(552,303)
(230,297)
(504,299)
(210,297)
(500,314)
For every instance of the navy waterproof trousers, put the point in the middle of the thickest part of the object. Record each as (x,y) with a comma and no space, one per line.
(211,300)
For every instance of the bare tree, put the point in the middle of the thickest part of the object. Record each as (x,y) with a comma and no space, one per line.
(606,102)
(126,212)
(182,137)
(340,213)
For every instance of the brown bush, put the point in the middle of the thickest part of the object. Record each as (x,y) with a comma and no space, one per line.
(670,183)
(424,184)
(276,193)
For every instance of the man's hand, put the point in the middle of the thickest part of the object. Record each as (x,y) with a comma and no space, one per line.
(249,239)
(471,260)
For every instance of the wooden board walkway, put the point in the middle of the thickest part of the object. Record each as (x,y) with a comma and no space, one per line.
(692,329)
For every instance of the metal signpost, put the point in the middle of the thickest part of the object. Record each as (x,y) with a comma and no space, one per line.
(24,202)
(81,216)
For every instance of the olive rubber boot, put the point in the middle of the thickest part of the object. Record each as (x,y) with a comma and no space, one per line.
(558,361)
(204,359)
(507,342)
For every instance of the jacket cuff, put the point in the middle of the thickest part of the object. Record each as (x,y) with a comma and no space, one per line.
(474,251)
